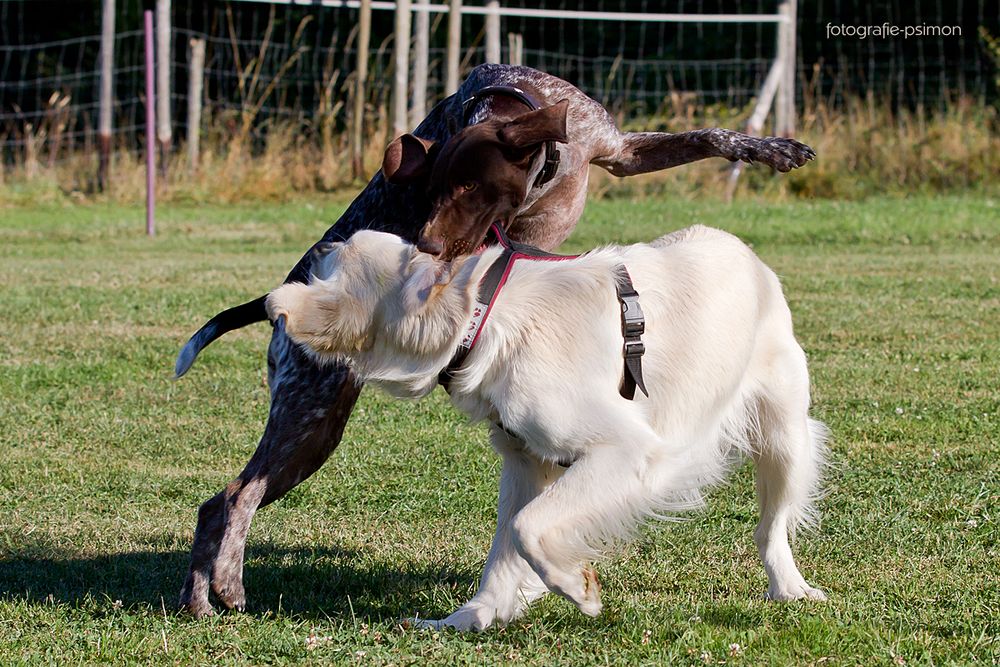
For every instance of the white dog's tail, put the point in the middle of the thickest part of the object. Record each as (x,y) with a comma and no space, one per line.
(789,471)
(805,513)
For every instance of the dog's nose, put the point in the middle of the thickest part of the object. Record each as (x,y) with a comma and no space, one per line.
(430,245)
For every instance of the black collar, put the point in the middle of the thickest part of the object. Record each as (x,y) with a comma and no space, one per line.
(548,171)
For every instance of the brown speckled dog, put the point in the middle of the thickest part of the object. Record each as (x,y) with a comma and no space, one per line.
(465,166)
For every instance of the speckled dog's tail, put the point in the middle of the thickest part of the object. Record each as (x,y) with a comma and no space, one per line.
(233,318)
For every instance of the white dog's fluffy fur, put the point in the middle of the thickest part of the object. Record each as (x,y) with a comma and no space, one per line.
(724,372)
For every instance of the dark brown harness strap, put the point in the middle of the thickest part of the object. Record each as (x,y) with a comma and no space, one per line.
(633,326)
(489,287)
(487,291)
(633,321)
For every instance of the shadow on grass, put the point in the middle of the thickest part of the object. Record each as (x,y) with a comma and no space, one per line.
(319,582)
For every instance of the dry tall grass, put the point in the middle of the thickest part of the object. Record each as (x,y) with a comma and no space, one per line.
(864,148)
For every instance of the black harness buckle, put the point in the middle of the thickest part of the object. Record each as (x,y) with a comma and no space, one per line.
(633,321)
(634,349)
(633,326)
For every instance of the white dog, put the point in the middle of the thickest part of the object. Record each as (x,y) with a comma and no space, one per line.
(724,372)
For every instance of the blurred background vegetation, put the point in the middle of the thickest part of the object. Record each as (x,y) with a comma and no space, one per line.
(884,114)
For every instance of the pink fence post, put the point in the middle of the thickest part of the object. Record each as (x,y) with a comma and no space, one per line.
(150,127)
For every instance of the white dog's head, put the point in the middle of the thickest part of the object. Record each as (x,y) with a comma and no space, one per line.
(394,314)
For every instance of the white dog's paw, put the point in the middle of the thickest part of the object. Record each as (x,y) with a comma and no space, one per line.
(591,604)
(468,618)
(801,591)
(581,587)
(423,624)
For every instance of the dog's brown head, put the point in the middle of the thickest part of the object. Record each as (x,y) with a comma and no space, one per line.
(479,176)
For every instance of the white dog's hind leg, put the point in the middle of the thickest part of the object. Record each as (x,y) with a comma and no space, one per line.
(791,452)
(508,584)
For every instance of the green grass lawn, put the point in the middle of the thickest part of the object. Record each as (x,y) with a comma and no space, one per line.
(104,460)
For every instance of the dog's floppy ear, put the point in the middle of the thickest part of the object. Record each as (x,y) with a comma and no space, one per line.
(321,259)
(534,127)
(407,158)
(320,316)
(426,276)
(284,300)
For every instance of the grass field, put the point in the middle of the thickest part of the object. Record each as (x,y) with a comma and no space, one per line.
(104,460)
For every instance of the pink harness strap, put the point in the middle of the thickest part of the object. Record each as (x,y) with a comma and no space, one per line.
(489,289)
(633,322)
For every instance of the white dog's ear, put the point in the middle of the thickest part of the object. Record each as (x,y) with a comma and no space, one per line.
(289,298)
(320,316)
(426,278)
(322,259)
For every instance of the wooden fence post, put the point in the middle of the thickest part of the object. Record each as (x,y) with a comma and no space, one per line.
(493,31)
(421,56)
(454,45)
(515,48)
(401,50)
(196,77)
(785,110)
(360,87)
(107,91)
(755,124)
(164,135)
(791,67)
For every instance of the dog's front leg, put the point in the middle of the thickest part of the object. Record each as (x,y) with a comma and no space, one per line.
(309,407)
(642,152)
(508,584)
(597,502)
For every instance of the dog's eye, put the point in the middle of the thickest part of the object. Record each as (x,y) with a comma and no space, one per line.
(467,187)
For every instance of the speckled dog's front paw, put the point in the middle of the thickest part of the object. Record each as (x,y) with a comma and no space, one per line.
(779,153)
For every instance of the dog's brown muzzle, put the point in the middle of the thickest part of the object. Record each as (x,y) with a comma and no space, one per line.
(430,245)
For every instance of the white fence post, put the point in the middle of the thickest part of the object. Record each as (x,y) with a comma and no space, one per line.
(401,49)
(493,31)
(196,75)
(164,135)
(454,45)
(106,99)
(421,45)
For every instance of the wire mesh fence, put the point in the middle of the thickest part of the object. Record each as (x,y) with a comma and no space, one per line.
(294,64)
